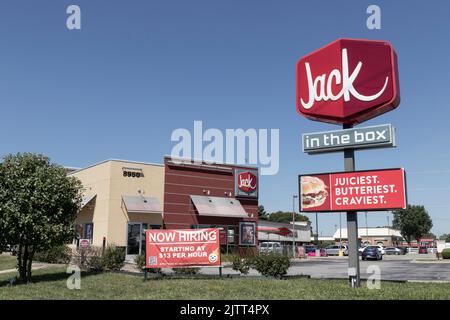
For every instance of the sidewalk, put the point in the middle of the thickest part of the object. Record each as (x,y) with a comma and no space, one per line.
(36,266)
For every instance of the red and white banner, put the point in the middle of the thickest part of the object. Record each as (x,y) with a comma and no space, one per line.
(183,247)
(359,190)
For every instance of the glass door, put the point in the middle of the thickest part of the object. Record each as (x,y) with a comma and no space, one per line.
(133,240)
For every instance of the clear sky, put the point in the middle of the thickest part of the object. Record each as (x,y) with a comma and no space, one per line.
(137,70)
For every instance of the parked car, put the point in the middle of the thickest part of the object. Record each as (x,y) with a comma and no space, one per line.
(372,253)
(323,253)
(432,250)
(382,249)
(393,250)
(334,250)
(310,248)
(413,250)
(360,250)
(270,247)
(423,250)
(403,250)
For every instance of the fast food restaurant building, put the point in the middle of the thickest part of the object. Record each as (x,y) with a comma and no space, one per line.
(121,199)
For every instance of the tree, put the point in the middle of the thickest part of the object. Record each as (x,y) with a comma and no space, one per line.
(413,222)
(429,235)
(286,217)
(38,206)
(445,237)
(262,214)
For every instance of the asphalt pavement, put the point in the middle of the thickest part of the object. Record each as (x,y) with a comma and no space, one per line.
(410,267)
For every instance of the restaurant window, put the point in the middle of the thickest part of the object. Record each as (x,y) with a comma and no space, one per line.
(89,231)
(84,231)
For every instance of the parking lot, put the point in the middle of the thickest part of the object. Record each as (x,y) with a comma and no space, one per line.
(411,267)
(404,267)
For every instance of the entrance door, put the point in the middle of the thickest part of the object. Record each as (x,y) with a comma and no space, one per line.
(135,239)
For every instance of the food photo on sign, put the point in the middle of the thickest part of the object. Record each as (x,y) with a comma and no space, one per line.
(359,190)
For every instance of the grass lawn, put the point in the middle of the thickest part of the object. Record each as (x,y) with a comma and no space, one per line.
(7,262)
(51,284)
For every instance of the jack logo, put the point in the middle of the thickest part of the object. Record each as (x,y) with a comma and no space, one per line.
(247,182)
(348,81)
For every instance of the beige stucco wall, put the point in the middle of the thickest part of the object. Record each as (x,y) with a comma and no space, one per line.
(152,185)
(106,180)
(96,180)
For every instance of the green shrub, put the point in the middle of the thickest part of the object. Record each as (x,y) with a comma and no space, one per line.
(58,254)
(95,263)
(227,257)
(140,261)
(271,265)
(186,271)
(241,265)
(114,257)
(446,253)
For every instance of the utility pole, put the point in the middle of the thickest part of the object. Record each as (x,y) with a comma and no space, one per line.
(293,224)
(352,225)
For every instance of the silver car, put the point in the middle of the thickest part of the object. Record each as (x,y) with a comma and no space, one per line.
(270,247)
(334,250)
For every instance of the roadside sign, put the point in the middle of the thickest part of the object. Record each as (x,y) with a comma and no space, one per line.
(84,243)
(379,136)
(352,191)
(182,247)
(348,81)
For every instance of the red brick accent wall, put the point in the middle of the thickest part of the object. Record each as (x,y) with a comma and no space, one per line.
(182,181)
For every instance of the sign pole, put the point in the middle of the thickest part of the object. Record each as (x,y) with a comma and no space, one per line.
(352,225)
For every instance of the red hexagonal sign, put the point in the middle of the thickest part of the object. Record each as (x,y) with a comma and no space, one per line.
(348,81)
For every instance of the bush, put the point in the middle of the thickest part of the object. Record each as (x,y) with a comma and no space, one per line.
(95,263)
(140,261)
(446,253)
(271,265)
(186,271)
(114,257)
(227,257)
(241,265)
(58,254)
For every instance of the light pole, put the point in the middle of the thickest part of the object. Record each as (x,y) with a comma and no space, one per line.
(293,224)
(317,230)
(367,230)
(340,230)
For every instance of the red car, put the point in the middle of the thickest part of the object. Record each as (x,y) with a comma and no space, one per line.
(423,250)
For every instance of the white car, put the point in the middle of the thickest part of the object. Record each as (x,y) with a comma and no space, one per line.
(382,249)
(393,250)
(432,250)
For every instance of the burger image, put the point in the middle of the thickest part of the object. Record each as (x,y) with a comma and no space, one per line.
(314,192)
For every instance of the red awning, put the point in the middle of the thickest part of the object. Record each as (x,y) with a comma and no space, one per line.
(281,231)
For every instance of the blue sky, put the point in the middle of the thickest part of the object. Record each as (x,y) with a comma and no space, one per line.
(137,70)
